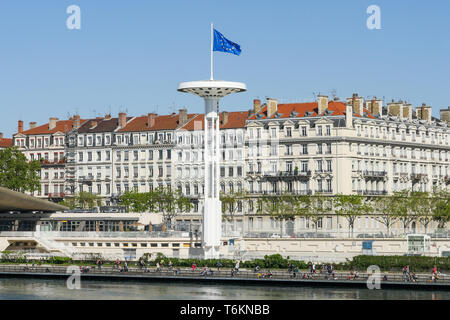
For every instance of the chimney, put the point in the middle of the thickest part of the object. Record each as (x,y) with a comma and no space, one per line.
(395,108)
(348,116)
(1,135)
(183,117)
(32,125)
(272,107)
(76,121)
(20,126)
(375,107)
(357,104)
(122,119)
(407,112)
(445,115)
(424,112)
(256,105)
(93,124)
(224,117)
(322,105)
(151,120)
(107,117)
(52,123)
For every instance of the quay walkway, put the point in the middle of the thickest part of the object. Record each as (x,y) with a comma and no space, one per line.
(243,277)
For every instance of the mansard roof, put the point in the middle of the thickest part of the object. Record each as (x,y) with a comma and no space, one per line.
(61,126)
(236,120)
(162,122)
(306,109)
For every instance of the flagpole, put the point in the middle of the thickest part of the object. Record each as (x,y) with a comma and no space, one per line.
(212,39)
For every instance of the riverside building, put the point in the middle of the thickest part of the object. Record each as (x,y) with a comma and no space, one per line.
(328,147)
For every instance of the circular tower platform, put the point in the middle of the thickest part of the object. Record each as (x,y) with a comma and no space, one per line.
(211,88)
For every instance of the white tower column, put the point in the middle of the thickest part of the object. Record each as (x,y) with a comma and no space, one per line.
(211,91)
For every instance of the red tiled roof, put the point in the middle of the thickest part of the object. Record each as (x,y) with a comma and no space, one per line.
(5,143)
(235,120)
(61,126)
(164,122)
(337,108)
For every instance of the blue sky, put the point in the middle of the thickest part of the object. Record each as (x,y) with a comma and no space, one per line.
(131,55)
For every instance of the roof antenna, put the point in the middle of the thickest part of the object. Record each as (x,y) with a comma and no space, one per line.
(333,94)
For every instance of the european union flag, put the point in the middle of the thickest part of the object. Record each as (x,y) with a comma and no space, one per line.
(223,44)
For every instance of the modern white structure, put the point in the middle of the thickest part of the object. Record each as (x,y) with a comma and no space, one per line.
(211,91)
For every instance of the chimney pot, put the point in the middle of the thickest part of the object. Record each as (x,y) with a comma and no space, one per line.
(76,121)
(183,117)
(322,104)
(52,123)
(20,126)
(256,105)
(32,125)
(151,120)
(122,119)
(225,117)
(272,107)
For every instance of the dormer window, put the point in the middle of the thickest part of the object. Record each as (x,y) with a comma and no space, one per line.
(288,132)
(303,131)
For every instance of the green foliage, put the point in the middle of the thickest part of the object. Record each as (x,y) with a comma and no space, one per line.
(18,174)
(316,207)
(396,263)
(84,200)
(351,207)
(170,203)
(230,202)
(441,208)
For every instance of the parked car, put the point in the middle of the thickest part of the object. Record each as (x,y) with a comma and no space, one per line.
(275,235)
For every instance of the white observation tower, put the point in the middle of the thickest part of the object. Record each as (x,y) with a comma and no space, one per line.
(211,91)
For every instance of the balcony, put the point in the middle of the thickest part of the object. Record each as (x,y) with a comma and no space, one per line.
(277,192)
(418,176)
(48,163)
(376,174)
(374,192)
(287,174)
(56,195)
(324,191)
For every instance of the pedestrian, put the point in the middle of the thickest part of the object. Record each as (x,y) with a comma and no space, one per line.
(194,266)
(158,268)
(236,267)
(219,265)
(170,265)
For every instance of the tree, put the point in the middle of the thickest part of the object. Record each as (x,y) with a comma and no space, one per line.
(382,209)
(282,207)
(134,201)
(422,204)
(18,174)
(402,208)
(351,207)
(171,203)
(230,203)
(315,208)
(441,208)
(87,200)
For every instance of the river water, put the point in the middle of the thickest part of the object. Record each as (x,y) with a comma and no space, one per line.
(32,289)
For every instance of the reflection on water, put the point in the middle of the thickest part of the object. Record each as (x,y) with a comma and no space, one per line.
(13,289)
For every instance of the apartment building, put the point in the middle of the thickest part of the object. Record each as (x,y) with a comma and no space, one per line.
(46,143)
(326,146)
